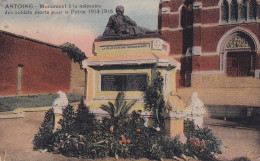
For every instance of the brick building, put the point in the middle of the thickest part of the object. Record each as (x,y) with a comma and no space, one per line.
(29,66)
(217,42)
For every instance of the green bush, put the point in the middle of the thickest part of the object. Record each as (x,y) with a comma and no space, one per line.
(201,142)
(73,52)
(153,95)
(124,135)
(44,138)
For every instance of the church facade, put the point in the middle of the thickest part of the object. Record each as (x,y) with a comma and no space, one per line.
(217,43)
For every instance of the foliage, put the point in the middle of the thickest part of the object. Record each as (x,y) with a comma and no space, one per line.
(44,137)
(124,135)
(129,138)
(85,121)
(201,142)
(120,109)
(153,95)
(73,52)
(68,121)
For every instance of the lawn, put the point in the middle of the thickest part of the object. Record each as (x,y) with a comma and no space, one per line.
(11,103)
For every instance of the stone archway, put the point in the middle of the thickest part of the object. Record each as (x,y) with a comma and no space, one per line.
(237,54)
(240,55)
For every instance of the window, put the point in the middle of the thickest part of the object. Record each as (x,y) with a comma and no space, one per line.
(243,10)
(224,11)
(123,82)
(183,17)
(238,10)
(252,9)
(19,78)
(234,10)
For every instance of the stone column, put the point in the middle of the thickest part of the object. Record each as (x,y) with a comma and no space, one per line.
(174,124)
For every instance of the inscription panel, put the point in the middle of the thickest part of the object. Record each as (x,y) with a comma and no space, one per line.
(123,82)
(125,46)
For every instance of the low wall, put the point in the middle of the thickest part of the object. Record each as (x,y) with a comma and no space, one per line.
(232,112)
(220,80)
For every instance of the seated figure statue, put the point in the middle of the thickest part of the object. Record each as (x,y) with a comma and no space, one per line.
(120,25)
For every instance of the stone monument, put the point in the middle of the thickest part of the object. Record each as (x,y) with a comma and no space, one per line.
(174,114)
(121,25)
(124,59)
(197,109)
(58,105)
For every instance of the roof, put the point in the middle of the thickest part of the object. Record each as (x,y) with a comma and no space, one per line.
(29,39)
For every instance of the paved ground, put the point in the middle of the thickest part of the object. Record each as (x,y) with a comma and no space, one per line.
(237,139)
(16,137)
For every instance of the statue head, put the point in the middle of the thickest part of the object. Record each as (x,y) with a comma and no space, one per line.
(120,9)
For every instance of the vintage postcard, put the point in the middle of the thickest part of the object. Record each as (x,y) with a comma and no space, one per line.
(134,80)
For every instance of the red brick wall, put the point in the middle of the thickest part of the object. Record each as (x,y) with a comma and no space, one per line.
(165,20)
(176,4)
(202,63)
(209,3)
(210,16)
(173,21)
(210,36)
(46,69)
(175,40)
(196,15)
(196,36)
(207,33)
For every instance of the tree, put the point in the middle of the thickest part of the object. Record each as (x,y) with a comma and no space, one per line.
(68,120)
(85,122)
(153,95)
(73,52)
(44,137)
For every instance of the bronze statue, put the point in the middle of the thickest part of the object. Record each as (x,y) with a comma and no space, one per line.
(120,25)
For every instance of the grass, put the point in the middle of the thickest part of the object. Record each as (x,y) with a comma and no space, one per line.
(11,103)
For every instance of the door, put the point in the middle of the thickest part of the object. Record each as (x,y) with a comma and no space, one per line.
(239,64)
(19,79)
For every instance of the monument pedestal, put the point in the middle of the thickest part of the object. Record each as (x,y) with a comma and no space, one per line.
(57,118)
(174,124)
(127,65)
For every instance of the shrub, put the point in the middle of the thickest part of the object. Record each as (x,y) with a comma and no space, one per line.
(130,138)
(43,139)
(85,121)
(201,142)
(124,135)
(73,52)
(153,95)
(68,120)
(120,109)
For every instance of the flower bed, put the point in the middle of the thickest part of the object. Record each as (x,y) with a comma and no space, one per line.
(122,135)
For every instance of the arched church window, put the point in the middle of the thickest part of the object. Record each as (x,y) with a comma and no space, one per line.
(224,11)
(183,17)
(252,9)
(234,10)
(243,10)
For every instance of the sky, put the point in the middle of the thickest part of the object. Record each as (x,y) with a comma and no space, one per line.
(78,25)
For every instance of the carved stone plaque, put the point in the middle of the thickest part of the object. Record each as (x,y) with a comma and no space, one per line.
(123,82)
